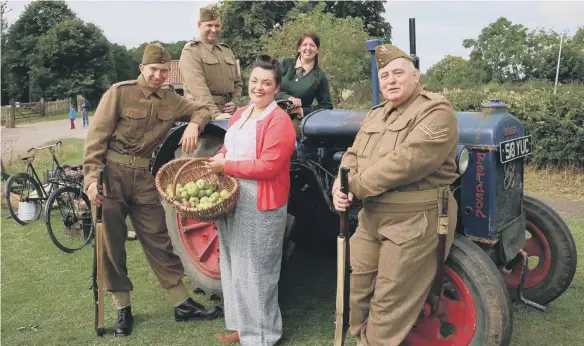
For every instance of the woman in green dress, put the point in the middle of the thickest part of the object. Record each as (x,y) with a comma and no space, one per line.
(304,80)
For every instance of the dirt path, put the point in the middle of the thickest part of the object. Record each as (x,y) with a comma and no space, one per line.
(18,140)
(564,206)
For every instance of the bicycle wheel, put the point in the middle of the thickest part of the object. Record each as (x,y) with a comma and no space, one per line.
(69,224)
(24,198)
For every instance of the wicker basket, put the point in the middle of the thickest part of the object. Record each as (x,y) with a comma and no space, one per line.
(183,170)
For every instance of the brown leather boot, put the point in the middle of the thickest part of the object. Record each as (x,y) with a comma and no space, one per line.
(231,338)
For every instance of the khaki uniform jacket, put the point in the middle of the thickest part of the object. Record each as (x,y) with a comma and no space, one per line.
(209,72)
(411,147)
(133,119)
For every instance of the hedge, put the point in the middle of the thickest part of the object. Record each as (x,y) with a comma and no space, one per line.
(554,121)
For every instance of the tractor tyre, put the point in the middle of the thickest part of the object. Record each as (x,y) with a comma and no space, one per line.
(551,251)
(475,306)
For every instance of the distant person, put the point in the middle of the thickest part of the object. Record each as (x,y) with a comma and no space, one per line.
(209,68)
(85,110)
(304,80)
(72,116)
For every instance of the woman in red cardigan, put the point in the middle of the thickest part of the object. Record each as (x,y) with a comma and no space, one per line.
(258,146)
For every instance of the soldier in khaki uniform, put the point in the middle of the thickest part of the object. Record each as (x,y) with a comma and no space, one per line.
(130,121)
(401,161)
(209,68)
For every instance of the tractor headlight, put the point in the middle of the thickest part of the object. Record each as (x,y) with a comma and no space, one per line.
(462,158)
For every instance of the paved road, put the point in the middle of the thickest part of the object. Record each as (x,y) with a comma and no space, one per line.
(18,140)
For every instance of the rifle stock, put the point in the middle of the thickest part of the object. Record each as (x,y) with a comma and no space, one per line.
(98,289)
(343,269)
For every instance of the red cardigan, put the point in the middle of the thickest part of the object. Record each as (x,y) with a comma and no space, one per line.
(275,141)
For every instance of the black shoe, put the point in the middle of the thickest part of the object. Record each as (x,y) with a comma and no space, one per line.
(124,323)
(195,311)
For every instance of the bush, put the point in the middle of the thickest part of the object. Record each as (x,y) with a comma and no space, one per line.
(554,121)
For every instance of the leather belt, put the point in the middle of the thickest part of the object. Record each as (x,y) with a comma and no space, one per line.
(128,160)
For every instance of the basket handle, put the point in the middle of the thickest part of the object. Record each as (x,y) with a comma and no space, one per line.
(181,169)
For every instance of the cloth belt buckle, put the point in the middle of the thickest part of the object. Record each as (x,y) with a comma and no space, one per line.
(132,160)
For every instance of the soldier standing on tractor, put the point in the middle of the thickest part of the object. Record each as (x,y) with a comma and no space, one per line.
(131,119)
(209,68)
(401,161)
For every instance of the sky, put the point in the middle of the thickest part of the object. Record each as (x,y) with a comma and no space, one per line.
(441,26)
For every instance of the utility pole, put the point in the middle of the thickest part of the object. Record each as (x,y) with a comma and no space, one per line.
(558,67)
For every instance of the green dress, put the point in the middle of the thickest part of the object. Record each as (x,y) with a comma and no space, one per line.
(313,85)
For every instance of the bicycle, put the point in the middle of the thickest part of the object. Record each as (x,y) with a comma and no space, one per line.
(65,191)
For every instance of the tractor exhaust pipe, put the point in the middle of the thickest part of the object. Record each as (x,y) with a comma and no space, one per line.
(413,56)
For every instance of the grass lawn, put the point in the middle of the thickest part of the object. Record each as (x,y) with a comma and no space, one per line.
(46,298)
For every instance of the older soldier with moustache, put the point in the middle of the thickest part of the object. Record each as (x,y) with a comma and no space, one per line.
(209,69)
(131,120)
(401,161)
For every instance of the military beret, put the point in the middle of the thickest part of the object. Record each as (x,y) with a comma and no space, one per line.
(208,13)
(386,53)
(154,53)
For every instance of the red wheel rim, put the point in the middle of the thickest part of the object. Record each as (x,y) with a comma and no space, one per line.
(454,323)
(536,245)
(201,241)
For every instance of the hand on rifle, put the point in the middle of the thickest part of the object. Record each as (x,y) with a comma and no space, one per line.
(340,200)
(94,196)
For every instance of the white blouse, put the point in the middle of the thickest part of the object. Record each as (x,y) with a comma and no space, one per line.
(240,139)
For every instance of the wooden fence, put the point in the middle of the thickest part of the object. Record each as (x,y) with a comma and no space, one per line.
(24,111)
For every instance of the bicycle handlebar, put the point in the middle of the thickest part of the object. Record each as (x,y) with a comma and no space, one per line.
(59,143)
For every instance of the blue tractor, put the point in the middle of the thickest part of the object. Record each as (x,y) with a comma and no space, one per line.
(508,246)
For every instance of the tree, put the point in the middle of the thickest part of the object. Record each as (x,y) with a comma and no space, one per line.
(69,61)
(21,39)
(344,61)
(4,9)
(125,65)
(244,22)
(452,72)
(499,51)
(174,49)
(369,11)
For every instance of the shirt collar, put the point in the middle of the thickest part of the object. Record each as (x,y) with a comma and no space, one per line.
(208,45)
(262,115)
(146,89)
(389,109)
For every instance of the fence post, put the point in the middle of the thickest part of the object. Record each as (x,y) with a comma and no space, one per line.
(10,122)
(43,107)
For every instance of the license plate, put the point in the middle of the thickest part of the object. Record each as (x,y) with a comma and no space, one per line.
(515,148)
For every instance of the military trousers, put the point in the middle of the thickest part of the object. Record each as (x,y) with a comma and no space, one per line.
(393,262)
(132,192)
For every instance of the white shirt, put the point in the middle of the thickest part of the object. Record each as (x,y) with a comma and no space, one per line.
(240,139)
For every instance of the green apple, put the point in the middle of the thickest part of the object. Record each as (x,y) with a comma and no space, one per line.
(215,194)
(219,200)
(208,192)
(201,183)
(193,190)
(185,194)
(194,200)
(212,199)
(224,193)
(201,194)
(204,200)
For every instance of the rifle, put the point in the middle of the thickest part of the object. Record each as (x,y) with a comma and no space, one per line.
(98,263)
(413,56)
(436,290)
(343,269)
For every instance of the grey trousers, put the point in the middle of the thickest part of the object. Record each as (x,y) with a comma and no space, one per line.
(250,258)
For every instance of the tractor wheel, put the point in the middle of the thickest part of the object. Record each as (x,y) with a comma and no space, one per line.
(475,306)
(551,252)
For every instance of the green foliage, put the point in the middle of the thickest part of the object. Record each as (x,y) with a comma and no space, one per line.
(452,71)
(125,65)
(21,40)
(69,61)
(345,61)
(174,49)
(507,52)
(554,121)
(244,22)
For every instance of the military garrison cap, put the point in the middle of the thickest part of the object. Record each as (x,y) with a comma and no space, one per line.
(386,53)
(208,13)
(154,53)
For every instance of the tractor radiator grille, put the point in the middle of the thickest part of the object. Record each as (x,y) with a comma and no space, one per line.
(509,192)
